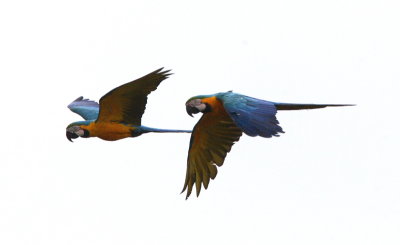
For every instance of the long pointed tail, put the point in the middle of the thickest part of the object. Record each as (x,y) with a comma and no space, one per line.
(144,129)
(290,106)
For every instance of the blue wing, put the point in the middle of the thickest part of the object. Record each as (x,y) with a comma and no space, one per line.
(87,109)
(254,116)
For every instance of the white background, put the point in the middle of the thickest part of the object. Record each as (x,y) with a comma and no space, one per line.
(332,178)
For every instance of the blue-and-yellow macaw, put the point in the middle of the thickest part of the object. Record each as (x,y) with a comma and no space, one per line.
(225,117)
(120,111)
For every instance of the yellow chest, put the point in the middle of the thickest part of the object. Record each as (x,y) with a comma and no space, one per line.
(109,131)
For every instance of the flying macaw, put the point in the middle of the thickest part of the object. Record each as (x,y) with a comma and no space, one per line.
(120,111)
(225,117)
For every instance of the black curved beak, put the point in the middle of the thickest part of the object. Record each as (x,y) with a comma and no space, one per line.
(191,110)
(71,136)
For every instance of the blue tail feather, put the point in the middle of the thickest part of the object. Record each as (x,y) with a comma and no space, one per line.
(257,117)
(144,129)
(293,106)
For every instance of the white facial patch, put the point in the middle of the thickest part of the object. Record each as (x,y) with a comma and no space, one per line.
(80,132)
(201,107)
(76,130)
(197,104)
(193,103)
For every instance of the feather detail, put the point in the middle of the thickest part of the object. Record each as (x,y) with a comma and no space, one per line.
(293,106)
(88,109)
(127,103)
(254,116)
(212,138)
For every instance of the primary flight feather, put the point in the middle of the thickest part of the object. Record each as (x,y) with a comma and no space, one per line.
(120,111)
(225,117)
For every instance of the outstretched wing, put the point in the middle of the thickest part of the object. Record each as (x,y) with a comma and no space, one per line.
(212,138)
(254,116)
(127,102)
(88,109)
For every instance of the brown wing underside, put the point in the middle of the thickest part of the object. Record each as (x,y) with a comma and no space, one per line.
(212,138)
(127,102)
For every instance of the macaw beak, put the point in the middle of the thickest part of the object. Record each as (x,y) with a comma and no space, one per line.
(71,136)
(191,110)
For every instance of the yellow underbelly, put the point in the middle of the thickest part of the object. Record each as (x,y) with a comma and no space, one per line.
(109,131)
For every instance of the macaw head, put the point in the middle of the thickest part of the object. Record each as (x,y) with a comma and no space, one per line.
(195,105)
(74,130)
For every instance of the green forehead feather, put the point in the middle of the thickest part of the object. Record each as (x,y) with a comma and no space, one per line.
(79,123)
(198,97)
